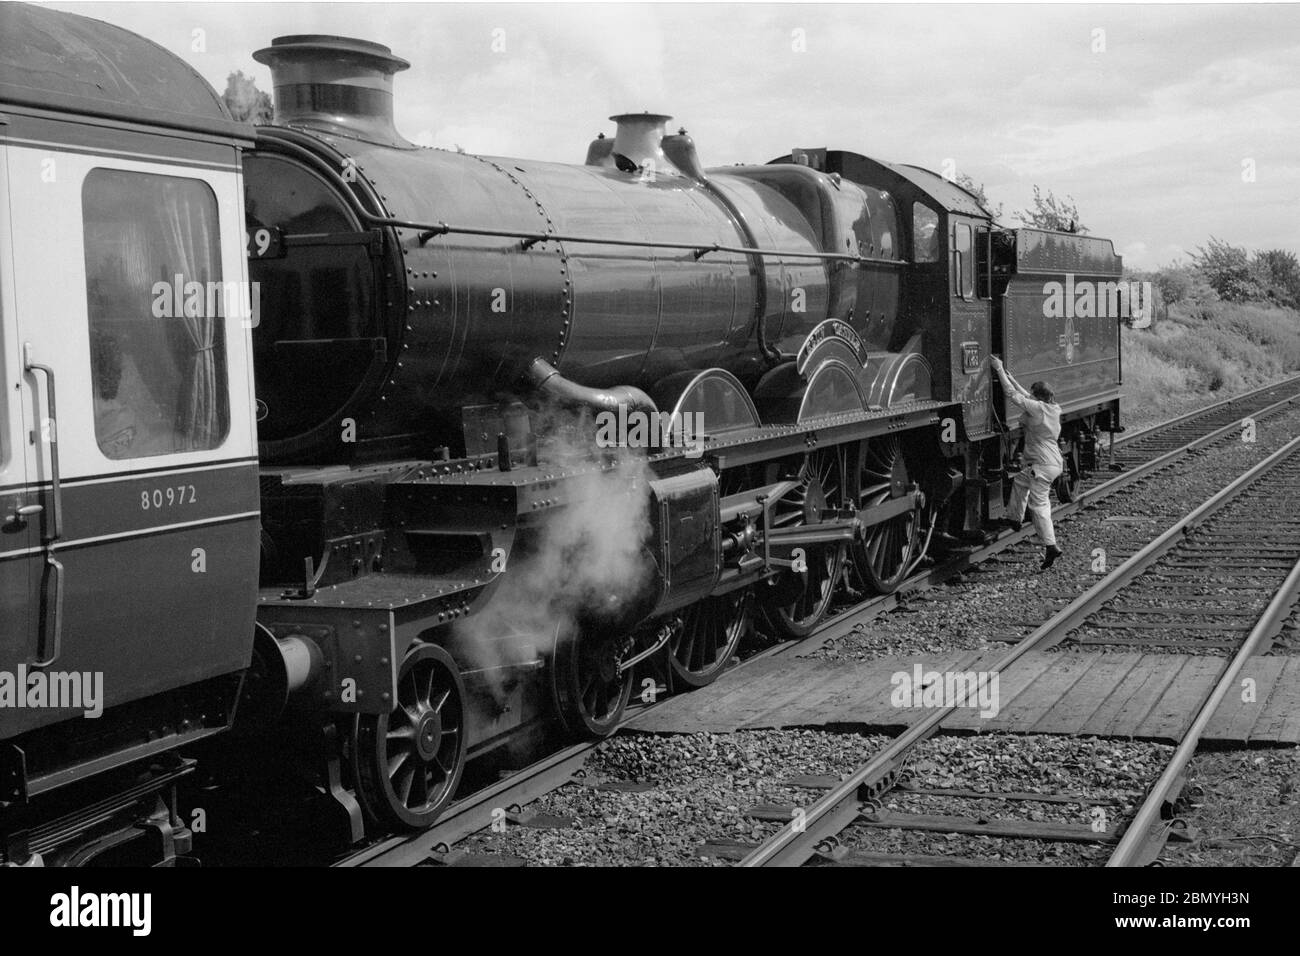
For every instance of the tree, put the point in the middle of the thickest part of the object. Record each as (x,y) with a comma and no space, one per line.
(1174,283)
(1048,212)
(1278,271)
(1227,269)
(247,104)
(977,190)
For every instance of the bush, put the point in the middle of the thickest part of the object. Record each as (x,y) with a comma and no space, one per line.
(1202,352)
(1227,269)
(1174,283)
(1153,388)
(1278,272)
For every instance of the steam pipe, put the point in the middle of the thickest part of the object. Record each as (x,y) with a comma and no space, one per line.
(547,381)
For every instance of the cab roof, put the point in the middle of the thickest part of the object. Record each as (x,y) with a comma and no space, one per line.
(915,181)
(954,198)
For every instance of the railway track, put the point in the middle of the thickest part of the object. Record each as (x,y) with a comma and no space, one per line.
(1144,454)
(1218,521)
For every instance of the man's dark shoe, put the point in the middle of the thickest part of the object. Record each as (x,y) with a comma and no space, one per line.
(1053,552)
(1009,524)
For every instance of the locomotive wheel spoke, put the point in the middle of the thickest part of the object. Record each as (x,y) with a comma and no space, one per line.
(881,560)
(396,764)
(805,596)
(409,761)
(710,632)
(590,693)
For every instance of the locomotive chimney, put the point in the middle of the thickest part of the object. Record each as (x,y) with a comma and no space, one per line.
(639,139)
(338,84)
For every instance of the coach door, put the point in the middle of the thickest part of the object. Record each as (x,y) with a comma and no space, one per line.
(137,392)
(20,504)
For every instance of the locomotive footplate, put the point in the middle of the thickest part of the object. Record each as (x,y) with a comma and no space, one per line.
(364,629)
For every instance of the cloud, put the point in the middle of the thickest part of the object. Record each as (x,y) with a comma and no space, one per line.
(1148,135)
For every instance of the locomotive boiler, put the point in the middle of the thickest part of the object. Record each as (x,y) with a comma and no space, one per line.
(449,553)
(400,284)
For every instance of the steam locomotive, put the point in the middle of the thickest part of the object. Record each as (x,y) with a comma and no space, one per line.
(365,493)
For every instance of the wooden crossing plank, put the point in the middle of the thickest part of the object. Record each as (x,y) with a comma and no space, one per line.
(737,683)
(1233,721)
(746,711)
(1280,721)
(861,696)
(1010,685)
(1037,699)
(1136,694)
(870,703)
(1150,696)
(879,708)
(684,710)
(781,708)
(761,708)
(725,713)
(824,690)
(1169,719)
(1069,714)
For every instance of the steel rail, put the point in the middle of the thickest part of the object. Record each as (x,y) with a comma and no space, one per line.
(1188,417)
(473,813)
(796,841)
(1144,835)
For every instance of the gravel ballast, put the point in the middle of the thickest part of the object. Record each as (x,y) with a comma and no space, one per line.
(699,787)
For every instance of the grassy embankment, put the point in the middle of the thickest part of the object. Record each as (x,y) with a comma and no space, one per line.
(1204,353)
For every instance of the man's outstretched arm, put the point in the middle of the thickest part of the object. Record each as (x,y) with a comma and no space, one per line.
(1016,393)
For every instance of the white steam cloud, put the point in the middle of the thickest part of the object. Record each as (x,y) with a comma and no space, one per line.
(588,560)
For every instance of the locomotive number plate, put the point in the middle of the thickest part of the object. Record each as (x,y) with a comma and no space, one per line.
(970,357)
(265,243)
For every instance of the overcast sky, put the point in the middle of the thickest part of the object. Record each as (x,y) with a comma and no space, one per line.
(1152,117)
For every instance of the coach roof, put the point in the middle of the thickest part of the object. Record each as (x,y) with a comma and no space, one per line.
(73,64)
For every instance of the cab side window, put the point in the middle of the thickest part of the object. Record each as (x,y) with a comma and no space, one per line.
(155,305)
(963,262)
(883,224)
(926,241)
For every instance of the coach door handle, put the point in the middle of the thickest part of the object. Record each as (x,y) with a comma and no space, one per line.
(56,618)
(54,613)
(20,515)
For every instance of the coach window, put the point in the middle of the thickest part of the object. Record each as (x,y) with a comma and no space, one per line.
(926,242)
(154,305)
(963,262)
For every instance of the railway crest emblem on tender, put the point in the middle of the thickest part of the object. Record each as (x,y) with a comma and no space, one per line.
(1068,338)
